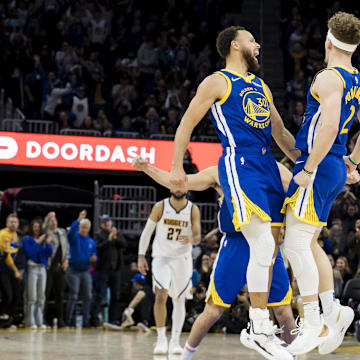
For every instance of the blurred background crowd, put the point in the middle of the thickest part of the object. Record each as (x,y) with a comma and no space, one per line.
(131,67)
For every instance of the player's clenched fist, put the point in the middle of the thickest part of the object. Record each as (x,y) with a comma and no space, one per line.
(139,163)
(178,179)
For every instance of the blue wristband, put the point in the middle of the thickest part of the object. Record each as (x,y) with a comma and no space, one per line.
(352,161)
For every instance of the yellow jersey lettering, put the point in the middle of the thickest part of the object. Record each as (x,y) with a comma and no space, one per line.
(255,124)
(173,222)
(263,102)
(358,95)
(354,92)
(245,90)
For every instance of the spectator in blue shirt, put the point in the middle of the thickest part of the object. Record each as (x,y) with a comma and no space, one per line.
(37,250)
(82,255)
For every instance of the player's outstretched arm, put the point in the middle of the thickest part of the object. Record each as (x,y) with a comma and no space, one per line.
(162,177)
(329,88)
(283,137)
(200,181)
(211,89)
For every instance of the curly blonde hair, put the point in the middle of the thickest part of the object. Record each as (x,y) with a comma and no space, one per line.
(345,27)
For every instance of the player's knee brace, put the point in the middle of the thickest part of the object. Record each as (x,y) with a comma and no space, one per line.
(262,246)
(297,249)
(261,242)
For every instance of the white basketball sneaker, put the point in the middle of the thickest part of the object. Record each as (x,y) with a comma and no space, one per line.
(161,347)
(175,348)
(309,337)
(262,333)
(246,340)
(338,321)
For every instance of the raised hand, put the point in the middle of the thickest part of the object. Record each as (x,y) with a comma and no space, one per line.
(82,215)
(178,179)
(139,163)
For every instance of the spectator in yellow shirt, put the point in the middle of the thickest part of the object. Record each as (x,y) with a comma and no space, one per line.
(12,224)
(9,274)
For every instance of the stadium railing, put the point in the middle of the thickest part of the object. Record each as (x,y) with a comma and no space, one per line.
(12,125)
(127,192)
(162,137)
(122,134)
(41,126)
(130,207)
(208,212)
(205,138)
(80,132)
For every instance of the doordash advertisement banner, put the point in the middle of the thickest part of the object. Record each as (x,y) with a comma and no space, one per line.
(97,153)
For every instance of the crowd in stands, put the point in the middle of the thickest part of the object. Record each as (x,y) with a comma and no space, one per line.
(48,273)
(109,66)
(303,33)
(43,267)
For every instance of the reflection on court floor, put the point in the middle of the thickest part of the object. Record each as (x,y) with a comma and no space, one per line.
(105,345)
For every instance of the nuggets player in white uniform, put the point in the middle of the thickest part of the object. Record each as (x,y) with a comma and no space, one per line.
(177,224)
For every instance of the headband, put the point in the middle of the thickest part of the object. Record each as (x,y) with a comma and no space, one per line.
(340,44)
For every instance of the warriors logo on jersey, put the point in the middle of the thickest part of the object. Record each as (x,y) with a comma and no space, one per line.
(246,100)
(256,107)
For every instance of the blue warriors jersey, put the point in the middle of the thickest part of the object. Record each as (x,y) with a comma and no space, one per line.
(349,109)
(242,116)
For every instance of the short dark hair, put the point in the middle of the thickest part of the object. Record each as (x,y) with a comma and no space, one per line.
(224,39)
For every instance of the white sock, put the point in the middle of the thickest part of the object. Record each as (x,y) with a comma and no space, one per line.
(188,352)
(327,299)
(131,310)
(161,332)
(312,312)
(257,317)
(178,318)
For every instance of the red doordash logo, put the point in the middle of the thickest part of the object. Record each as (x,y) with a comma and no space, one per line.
(80,152)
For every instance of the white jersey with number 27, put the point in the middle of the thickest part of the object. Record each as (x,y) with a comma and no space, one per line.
(171,225)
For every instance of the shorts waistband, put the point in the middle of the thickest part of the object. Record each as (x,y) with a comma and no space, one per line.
(255,150)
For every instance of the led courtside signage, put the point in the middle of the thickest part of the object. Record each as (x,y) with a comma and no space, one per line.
(98,153)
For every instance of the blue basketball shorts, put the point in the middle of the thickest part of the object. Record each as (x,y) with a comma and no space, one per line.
(312,205)
(229,274)
(251,183)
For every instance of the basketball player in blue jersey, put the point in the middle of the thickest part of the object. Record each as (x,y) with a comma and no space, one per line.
(228,276)
(229,273)
(245,118)
(319,176)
